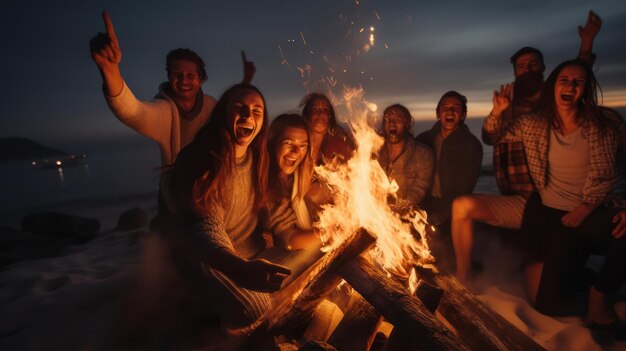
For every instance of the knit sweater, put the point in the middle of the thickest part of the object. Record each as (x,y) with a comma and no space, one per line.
(229,224)
(160,119)
(232,223)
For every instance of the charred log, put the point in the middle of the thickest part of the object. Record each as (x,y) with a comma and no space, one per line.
(401,309)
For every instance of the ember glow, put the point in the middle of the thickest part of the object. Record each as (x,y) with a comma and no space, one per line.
(361,190)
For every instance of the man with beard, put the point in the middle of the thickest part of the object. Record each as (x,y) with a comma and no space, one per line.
(509,159)
(458,157)
(405,161)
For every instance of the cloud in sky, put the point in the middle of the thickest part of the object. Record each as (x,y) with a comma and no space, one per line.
(52,88)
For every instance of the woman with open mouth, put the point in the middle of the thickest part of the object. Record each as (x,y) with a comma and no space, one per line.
(217,189)
(572,147)
(297,243)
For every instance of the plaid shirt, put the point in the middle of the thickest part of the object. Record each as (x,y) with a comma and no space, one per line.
(534,132)
(512,174)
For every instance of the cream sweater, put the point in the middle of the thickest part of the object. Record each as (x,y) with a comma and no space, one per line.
(159,120)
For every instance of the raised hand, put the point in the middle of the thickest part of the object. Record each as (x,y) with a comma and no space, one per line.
(591,28)
(106,53)
(105,48)
(502,99)
(248,69)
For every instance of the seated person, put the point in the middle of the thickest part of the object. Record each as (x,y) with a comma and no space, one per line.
(509,159)
(572,146)
(290,173)
(404,160)
(458,157)
(216,190)
(328,140)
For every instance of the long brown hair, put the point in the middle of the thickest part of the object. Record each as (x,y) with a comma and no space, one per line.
(589,111)
(278,127)
(202,169)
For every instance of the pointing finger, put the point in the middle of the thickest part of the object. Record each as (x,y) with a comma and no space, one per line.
(109,27)
(243,56)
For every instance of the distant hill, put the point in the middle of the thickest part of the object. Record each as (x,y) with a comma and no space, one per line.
(15,148)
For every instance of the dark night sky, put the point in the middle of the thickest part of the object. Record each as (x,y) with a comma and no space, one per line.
(51,88)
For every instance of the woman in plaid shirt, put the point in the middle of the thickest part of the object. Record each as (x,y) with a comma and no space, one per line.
(571,145)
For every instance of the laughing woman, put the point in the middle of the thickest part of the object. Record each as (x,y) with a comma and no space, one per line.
(571,145)
(290,174)
(217,189)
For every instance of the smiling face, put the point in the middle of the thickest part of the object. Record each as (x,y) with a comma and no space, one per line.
(245,115)
(569,86)
(319,116)
(394,126)
(451,114)
(292,149)
(184,80)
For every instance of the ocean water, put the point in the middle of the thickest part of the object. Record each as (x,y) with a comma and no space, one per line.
(110,172)
(117,172)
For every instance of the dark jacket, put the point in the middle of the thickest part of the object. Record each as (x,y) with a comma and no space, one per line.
(458,166)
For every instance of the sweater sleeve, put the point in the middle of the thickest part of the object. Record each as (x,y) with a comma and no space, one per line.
(207,230)
(282,221)
(152,119)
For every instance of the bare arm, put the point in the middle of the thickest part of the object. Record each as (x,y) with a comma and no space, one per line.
(106,53)
(501,101)
(587,34)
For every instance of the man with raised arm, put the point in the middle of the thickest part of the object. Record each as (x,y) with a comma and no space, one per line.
(180,107)
(509,159)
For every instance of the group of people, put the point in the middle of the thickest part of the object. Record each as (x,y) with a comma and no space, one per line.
(240,193)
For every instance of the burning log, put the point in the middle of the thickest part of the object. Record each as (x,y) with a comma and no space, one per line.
(479,326)
(397,305)
(295,304)
(299,299)
(357,329)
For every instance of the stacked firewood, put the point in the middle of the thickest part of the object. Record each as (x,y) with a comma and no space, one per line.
(441,315)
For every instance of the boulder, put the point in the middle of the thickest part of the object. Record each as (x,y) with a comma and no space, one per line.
(134,218)
(61,226)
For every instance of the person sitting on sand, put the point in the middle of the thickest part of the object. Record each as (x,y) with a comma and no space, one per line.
(509,159)
(571,145)
(289,180)
(403,159)
(458,157)
(216,190)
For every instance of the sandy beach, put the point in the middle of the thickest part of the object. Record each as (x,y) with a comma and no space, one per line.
(82,298)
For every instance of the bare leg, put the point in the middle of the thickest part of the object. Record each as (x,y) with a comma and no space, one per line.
(598,311)
(466,210)
(533,278)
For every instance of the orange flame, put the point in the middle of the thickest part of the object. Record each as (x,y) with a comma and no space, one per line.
(361,189)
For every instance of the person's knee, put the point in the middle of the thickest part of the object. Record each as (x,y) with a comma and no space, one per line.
(463,207)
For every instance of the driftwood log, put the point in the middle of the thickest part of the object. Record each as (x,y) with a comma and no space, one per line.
(357,329)
(477,324)
(294,305)
(405,312)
